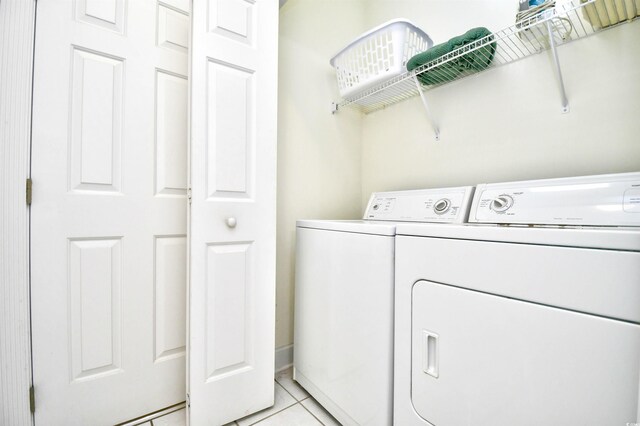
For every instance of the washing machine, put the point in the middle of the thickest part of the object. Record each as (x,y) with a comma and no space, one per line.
(343,325)
(529,316)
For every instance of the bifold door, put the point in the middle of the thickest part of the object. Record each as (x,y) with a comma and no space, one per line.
(233,175)
(109,214)
(108,219)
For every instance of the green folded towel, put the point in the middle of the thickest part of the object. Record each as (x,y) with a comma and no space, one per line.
(477,60)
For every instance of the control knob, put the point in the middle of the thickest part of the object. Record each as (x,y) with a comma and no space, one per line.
(501,203)
(442,206)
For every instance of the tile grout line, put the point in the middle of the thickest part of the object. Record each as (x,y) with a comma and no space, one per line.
(300,401)
(271,415)
(309,411)
(296,383)
(285,389)
(279,411)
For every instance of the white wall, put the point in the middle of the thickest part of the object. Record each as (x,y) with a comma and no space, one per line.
(319,154)
(506,124)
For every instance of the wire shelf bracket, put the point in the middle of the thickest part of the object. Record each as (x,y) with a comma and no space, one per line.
(434,125)
(557,69)
(566,21)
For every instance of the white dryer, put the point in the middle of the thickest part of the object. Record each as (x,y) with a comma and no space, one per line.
(515,324)
(343,332)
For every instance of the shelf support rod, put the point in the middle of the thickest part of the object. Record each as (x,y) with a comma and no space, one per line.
(563,93)
(436,130)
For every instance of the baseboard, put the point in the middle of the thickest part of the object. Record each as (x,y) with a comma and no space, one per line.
(284,357)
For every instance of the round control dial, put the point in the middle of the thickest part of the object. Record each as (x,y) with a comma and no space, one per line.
(442,206)
(501,203)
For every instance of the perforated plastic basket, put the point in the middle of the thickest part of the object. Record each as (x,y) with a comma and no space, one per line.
(378,55)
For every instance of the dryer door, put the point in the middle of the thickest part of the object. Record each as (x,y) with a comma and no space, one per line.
(480,359)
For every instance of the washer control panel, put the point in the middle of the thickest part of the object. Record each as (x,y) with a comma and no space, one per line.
(604,200)
(446,205)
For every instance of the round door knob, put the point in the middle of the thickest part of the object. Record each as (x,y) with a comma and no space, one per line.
(231,222)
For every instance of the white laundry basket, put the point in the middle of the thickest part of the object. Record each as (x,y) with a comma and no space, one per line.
(378,55)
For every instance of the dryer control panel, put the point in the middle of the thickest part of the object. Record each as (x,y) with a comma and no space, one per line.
(604,200)
(445,205)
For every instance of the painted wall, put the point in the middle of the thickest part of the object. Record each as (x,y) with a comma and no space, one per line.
(319,154)
(506,124)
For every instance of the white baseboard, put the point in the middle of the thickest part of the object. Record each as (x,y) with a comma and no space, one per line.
(284,357)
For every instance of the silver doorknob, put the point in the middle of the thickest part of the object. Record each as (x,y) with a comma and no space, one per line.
(231,222)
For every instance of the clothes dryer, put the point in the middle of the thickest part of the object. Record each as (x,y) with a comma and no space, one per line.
(529,317)
(343,343)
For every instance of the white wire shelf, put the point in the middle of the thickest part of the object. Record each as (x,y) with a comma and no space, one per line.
(567,21)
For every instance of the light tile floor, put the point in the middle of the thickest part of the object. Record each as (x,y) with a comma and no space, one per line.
(293,407)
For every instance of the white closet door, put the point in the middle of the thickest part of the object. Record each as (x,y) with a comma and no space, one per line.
(232,230)
(109,209)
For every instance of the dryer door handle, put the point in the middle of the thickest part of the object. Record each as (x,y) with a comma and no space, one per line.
(430,353)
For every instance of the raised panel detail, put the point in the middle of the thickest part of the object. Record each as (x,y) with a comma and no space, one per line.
(181,5)
(228,322)
(170,291)
(96,122)
(109,14)
(230,141)
(95,278)
(173,28)
(232,19)
(171,133)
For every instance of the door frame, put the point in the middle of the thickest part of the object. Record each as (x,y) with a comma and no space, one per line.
(16,68)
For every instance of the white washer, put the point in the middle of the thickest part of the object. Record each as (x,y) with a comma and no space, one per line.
(343,350)
(523,325)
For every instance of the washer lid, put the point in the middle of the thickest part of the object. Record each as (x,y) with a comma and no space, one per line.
(357,226)
(627,239)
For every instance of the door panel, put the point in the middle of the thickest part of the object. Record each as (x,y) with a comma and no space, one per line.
(488,360)
(95,279)
(170,297)
(96,121)
(232,245)
(108,14)
(231,108)
(109,209)
(229,346)
(173,28)
(172,92)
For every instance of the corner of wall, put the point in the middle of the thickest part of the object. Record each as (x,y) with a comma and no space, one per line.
(319,153)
